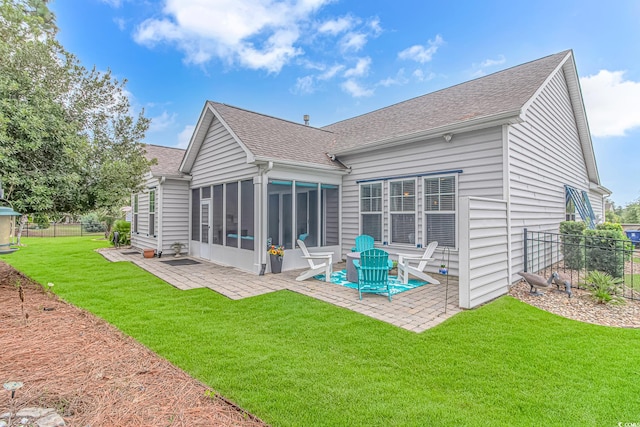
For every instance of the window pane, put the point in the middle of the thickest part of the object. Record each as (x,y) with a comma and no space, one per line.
(396,204)
(395,188)
(206,192)
(330,215)
(365,205)
(447,184)
(448,202)
(195,214)
(409,204)
(372,225)
(441,228)
(376,205)
(431,186)
(246,204)
(376,190)
(366,191)
(232,214)
(279,213)
(403,228)
(204,221)
(307,213)
(218,215)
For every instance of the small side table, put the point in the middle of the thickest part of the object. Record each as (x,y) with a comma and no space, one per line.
(352,273)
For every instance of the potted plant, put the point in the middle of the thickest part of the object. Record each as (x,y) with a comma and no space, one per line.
(443,269)
(177,248)
(276,253)
(148,253)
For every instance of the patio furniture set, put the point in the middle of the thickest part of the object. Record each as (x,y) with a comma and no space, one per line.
(368,266)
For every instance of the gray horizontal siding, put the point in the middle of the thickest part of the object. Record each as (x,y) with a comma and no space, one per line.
(484,250)
(544,154)
(220,159)
(175,213)
(478,154)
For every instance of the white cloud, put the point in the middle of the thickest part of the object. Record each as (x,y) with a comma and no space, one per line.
(353,42)
(419,75)
(162,122)
(113,3)
(374,24)
(121,23)
(420,53)
(399,79)
(185,136)
(361,68)
(337,26)
(331,72)
(612,103)
(493,62)
(257,34)
(304,85)
(355,89)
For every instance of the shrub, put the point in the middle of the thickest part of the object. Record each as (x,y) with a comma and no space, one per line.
(42,221)
(607,247)
(604,288)
(573,244)
(91,223)
(124,228)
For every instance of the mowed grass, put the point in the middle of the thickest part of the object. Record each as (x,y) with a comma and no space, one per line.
(295,361)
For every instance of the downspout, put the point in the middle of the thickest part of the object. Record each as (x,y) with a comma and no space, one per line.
(262,211)
(159,211)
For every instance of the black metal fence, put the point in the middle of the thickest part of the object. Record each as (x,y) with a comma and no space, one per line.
(32,229)
(576,256)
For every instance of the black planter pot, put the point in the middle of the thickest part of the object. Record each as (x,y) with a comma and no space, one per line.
(276,263)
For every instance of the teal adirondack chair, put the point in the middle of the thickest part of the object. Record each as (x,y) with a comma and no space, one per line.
(363,243)
(373,272)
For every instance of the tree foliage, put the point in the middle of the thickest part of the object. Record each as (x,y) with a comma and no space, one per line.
(68,140)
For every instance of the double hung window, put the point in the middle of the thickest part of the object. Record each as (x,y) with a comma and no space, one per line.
(402,207)
(440,210)
(371,210)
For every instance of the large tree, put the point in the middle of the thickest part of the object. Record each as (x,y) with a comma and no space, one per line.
(68,141)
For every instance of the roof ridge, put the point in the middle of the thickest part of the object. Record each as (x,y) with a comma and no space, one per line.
(271,117)
(562,53)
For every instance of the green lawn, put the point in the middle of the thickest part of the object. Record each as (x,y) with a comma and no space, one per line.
(296,361)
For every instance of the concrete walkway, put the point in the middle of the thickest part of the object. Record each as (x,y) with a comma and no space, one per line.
(416,310)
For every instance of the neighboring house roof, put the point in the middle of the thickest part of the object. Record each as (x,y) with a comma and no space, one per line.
(501,94)
(169,159)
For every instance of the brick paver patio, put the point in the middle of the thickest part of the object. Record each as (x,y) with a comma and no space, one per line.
(416,310)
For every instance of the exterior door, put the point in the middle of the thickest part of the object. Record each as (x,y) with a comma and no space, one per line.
(205,229)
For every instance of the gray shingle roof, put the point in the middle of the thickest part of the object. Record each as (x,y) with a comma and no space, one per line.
(168,159)
(271,137)
(501,92)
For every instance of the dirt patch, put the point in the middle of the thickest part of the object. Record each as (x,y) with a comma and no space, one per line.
(90,372)
(581,307)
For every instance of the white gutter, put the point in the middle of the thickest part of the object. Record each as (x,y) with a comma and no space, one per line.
(599,189)
(509,117)
(300,165)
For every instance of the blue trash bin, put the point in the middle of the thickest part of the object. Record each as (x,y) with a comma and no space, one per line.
(634,236)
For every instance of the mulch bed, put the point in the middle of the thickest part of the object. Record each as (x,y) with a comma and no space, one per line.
(90,372)
(581,307)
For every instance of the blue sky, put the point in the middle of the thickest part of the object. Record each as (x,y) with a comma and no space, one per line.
(336,59)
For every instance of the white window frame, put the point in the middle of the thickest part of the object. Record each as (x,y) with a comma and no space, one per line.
(136,201)
(152,213)
(380,212)
(403,212)
(429,212)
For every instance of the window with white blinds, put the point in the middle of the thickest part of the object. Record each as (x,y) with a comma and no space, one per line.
(440,210)
(371,210)
(402,207)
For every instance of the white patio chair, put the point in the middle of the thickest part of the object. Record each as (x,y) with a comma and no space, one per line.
(316,268)
(405,268)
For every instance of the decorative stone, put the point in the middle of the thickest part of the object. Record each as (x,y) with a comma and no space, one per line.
(34,412)
(3,423)
(51,420)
